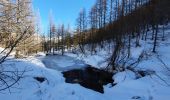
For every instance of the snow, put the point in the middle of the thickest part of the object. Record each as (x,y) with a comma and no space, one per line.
(152,87)
(40,54)
(124,76)
(62,63)
(54,88)
(28,88)
(145,88)
(136,51)
(97,60)
(1,49)
(3,52)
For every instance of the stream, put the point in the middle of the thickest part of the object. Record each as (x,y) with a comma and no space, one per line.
(77,72)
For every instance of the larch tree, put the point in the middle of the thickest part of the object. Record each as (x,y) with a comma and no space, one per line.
(81,28)
(16,25)
(62,40)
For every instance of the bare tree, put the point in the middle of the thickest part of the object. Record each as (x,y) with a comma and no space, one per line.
(111,11)
(16,21)
(81,29)
(16,25)
(62,39)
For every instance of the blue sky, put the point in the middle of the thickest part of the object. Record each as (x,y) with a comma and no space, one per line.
(64,11)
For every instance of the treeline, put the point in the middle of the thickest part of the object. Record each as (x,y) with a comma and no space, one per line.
(115,23)
(103,13)
(120,22)
(136,21)
(59,39)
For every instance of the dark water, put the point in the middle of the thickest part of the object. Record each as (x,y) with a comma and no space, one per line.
(89,77)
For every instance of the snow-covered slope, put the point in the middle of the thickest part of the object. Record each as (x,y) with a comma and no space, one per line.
(54,87)
(151,87)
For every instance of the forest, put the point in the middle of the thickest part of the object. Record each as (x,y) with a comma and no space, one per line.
(113,46)
(115,22)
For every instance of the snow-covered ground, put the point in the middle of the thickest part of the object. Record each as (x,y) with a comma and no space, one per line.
(61,63)
(152,87)
(54,88)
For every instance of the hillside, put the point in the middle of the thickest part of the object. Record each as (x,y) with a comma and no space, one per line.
(153,86)
(120,50)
